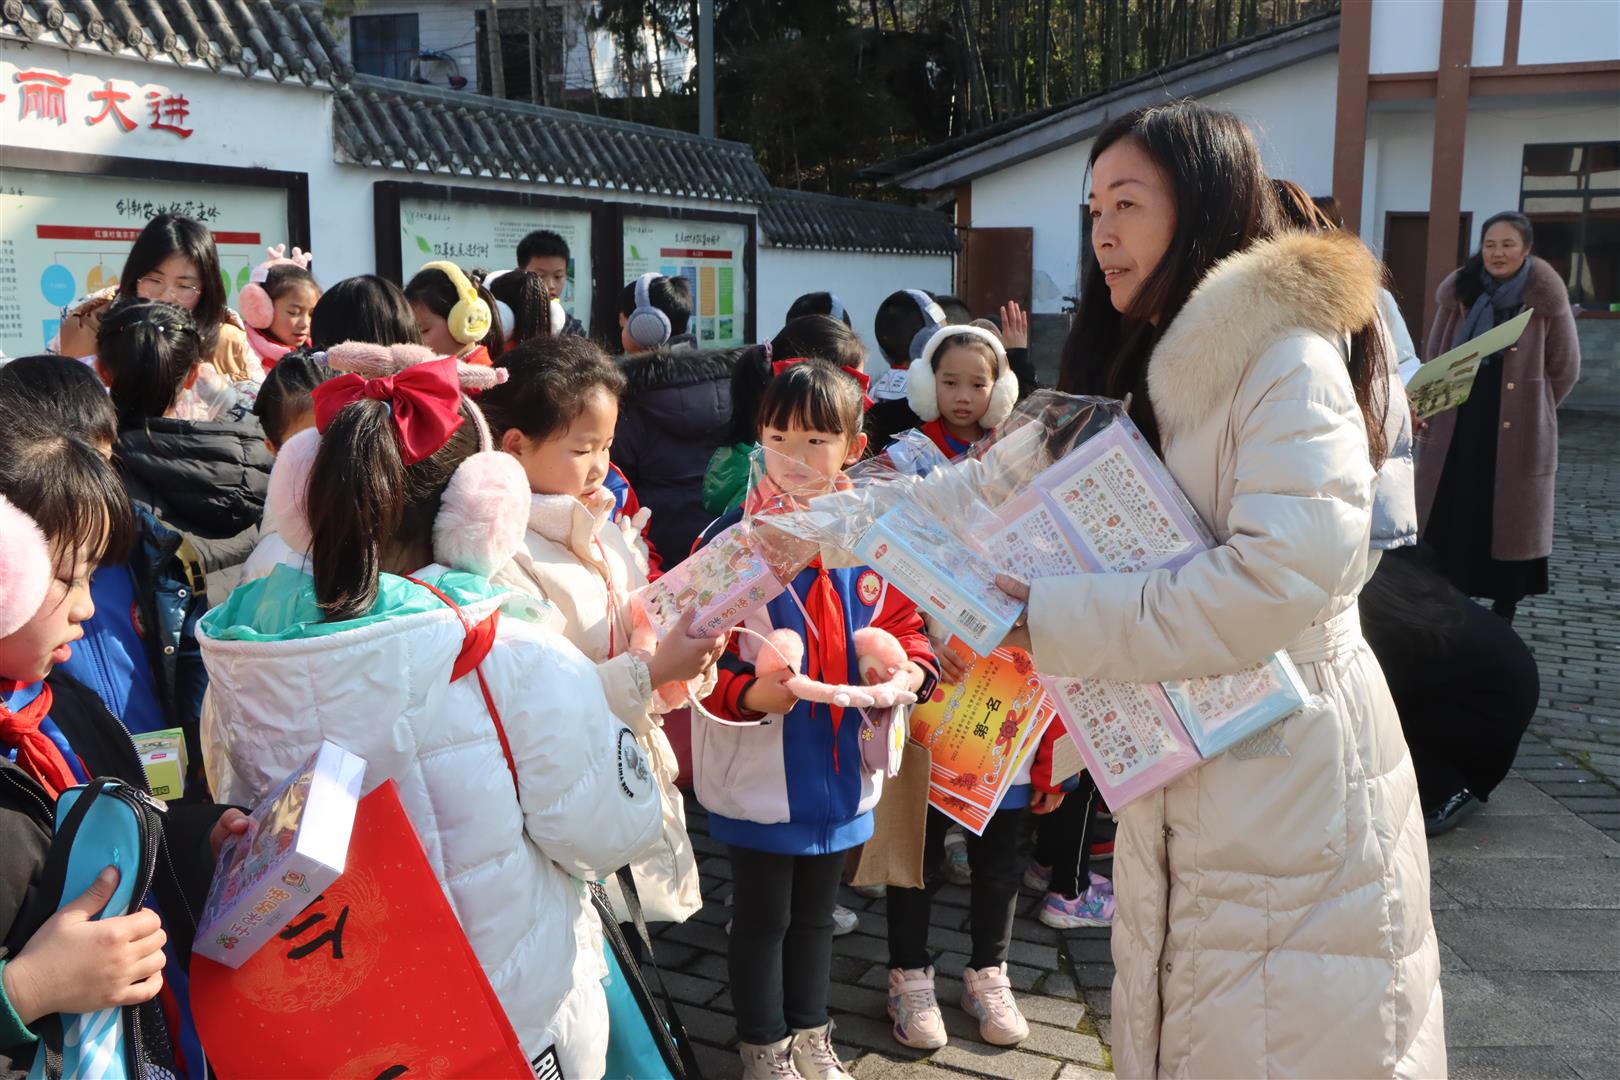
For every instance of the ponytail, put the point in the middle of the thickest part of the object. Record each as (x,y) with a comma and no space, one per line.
(147,349)
(495,339)
(367,507)
(525,293)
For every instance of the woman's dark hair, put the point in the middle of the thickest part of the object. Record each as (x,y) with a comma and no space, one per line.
(433,289)
(1297,210)
(1406,599)
(1223,203)
(366,506)
(281,278)
(813,337)
(70,490)
(175,234)
(64,393)
(1330,209)
(550,381)
(146,349)
(526,295)
(365,308)
(817,303)
(813,396)
(671,295)
(288,392)
(1469,285)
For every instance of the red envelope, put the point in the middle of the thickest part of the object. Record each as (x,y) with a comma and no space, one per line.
(374,978)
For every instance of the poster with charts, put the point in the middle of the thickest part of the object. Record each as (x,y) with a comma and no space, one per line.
(710,256)
(66,235)
(485,236)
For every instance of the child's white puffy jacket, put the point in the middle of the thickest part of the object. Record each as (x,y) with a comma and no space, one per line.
(281,680)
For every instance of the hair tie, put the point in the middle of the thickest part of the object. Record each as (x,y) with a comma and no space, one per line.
(423,400)
(862,379)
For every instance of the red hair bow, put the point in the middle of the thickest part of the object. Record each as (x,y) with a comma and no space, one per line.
(861,377)
(425,400)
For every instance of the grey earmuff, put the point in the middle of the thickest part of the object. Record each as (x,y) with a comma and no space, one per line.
(933,319)
(647,325)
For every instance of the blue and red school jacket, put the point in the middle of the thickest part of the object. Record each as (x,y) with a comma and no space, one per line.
(796,785)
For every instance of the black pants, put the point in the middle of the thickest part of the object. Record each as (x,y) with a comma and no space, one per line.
(993,858)
(780,956)
(1064,837)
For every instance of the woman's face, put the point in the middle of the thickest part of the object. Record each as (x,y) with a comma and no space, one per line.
(1504,250)
(175,279)
(1133,217)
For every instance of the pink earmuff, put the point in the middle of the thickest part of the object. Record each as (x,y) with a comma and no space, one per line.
(253,302)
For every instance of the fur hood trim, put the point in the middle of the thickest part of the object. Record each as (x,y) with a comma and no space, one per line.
(1326,283)
(668,368)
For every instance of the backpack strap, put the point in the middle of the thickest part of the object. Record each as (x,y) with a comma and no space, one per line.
(477,641)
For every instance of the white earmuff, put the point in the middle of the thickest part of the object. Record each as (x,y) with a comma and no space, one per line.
(647,325)
(923,396)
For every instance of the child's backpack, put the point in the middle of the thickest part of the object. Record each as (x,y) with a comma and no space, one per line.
(103,823)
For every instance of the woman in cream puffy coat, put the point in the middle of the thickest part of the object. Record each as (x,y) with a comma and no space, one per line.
(1273,914)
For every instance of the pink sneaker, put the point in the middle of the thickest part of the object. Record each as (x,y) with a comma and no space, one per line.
(1094,908)
(987,997)
(1038,877)
(914,1009)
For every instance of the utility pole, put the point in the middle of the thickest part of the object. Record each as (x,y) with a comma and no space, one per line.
(705,44)
(536,91)
(492,32)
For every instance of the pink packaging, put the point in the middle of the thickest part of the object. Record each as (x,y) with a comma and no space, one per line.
(1131,739)
(726,579)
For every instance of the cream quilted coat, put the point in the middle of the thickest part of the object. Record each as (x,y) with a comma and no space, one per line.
(1273,914)
(576,556)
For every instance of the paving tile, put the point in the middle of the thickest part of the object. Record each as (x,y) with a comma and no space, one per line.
(994,1061)
(1532,940)
(1529,883)
(1506,1063)
(1045,1009)
(1082,1072)
(1062,1043)
(1593,1064)
(1534,1008)
(1524,837)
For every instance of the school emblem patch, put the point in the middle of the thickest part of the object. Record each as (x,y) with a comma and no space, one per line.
(868,586)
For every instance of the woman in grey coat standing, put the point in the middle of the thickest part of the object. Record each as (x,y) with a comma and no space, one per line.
(1485,470)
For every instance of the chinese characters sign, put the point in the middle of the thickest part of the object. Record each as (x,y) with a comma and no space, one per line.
(709,255)
(67,235)
(42,98)
(486,235)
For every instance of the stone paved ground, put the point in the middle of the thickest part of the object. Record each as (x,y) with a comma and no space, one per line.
(1526,894)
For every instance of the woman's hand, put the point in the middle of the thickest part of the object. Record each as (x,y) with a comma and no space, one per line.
(952,667)
(680,657)
(77,963)
(1014,326)
(766,694)
(1018,636)
(231,823)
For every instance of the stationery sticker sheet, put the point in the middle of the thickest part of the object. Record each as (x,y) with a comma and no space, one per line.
(1128,734)
(724,581)
(1033,544)
(980,732)
(1125,515)
(1221,710)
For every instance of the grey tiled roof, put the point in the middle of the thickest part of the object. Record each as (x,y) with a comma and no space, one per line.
(281,39)
(400,125)
(801,219)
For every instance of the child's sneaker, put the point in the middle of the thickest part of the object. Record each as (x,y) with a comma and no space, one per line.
(844,920)
(1102,884)
(957,870)
(769,1061)
(815,1057)
(871,892)
(914,1009)
(1038,877)
(1093,908)
(987,997)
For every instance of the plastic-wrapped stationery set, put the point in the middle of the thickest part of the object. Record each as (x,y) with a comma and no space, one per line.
(1067,485)
(295,846)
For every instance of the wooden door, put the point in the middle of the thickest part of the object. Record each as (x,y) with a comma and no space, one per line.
(996,265)
(1406,253)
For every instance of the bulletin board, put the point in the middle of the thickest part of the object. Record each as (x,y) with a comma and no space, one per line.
(714,252)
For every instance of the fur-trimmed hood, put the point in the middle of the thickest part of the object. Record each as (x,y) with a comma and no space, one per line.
(1326,283)
(664,369)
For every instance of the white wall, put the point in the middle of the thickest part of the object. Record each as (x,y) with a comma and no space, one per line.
(1569,31)
(859,279)
(1493,156)
(1406,36)
(1290,111)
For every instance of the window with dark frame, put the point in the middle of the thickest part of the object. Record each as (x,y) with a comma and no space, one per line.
(1571,194)
(384,44)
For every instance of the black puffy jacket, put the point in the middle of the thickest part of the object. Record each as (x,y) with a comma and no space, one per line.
(675,411)
(206,478)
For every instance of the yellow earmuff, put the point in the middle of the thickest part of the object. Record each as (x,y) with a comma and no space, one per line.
(470,319)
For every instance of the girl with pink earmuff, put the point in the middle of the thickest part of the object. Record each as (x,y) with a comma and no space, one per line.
(277,303)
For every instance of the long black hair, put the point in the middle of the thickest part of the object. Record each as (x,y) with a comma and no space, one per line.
(176,234)
(433,289)
(366,506)
(1223,203)
(526,295)
(1469,285)
(146,348)
(812,337)
(365,308)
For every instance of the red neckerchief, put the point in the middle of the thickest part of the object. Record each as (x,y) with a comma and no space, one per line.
(37,755)
(827,654)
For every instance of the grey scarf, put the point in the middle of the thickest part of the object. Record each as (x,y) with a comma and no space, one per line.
(1499,302)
